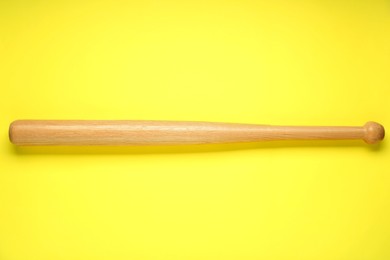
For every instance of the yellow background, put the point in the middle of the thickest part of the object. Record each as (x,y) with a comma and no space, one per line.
(272,62)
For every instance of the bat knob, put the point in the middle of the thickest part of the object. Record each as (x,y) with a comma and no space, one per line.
(373,132)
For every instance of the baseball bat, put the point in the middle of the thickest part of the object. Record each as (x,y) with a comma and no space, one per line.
(126,132)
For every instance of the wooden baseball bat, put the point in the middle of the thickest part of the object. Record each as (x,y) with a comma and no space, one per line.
(123,132)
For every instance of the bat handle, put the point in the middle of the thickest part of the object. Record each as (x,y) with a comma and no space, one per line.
(127,132)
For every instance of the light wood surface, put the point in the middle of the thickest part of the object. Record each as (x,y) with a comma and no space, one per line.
(122,132)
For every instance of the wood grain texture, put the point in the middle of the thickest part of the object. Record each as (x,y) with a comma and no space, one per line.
(123,132)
